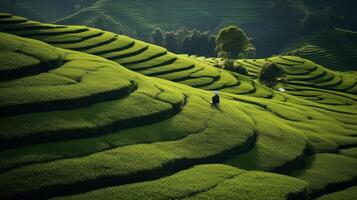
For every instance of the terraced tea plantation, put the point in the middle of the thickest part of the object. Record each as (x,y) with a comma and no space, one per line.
(89,114)
(170,15)
(269,24)
(334,49)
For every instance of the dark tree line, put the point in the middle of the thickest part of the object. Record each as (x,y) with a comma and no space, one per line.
(185,41)
(230,43)
(230,39)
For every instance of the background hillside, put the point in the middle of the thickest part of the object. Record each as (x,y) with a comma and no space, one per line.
(334,49)
(275,26)
(262,20)
(44,10)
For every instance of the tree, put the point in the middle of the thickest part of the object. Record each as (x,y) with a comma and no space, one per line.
(249,52)
(230,65)
(270,74)
(211,46)
(186,45)
(187,41)
(181,34)
(157,37)
(240,70)
(199,42)
(225,63)
(204,43)
(170,41)
(232,40)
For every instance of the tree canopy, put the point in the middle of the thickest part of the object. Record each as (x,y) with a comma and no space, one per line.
(233,40)
(157,37)
(270,74)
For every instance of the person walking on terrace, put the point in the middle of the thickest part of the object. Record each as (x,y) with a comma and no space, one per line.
(215,99)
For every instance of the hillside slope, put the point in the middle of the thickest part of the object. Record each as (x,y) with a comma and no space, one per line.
(44,10)
(75,125)
(335,49)
(19,8)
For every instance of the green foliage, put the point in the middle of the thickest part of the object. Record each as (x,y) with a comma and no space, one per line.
(351,152)
(186,41)
(157,37)
(325,170)
(171,42)
(200,44)
(233,40)
(240,70)
(256,185)
(249,52)
(229,64)
(269,74)
(207,182)
(272,145)
(347,194)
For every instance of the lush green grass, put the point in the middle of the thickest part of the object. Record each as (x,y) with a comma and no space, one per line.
(323,176)
(347,194)
(67,84)
(331,48)
(351,152)
(131,160)
(181,125)
(273,148)
(305,79)
(104,117)
(207,182)
(18,60)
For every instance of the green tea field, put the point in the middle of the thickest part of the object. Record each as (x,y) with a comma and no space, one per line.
(90,114)
(333,49)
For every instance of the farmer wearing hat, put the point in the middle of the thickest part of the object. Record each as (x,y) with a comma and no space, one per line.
(215,99)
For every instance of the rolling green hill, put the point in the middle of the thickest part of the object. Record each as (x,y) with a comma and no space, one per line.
(89,114)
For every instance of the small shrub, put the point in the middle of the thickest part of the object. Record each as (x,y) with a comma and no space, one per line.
(240,70)
(228,64)
(270,74)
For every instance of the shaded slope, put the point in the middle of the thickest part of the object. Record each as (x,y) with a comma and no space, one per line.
(324,177)
(139,18)
(347,194)
(334,49)
(19,8)
(207,182)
